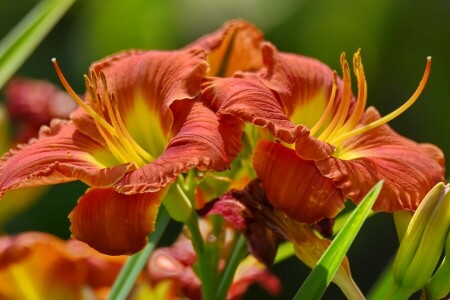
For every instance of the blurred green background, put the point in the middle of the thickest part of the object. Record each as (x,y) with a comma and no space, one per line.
(395,37)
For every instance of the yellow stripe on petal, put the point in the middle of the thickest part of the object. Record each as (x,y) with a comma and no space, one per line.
(310,111)
(145,126)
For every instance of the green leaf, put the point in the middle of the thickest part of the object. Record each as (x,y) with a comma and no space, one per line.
(285,250)
(318,280)
(134,265)
(28,33)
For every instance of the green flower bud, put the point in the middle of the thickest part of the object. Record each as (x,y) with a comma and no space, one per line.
(422,245)
(439,285)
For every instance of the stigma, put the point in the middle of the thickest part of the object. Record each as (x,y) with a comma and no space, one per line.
(104,109)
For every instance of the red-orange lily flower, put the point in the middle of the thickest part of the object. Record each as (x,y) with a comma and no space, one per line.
(37,265)
(331,147)
(33,103)
(141,125)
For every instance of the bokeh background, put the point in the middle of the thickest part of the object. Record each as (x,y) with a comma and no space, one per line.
(395,37)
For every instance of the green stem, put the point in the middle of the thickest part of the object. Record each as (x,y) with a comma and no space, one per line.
(134,265)
(202,265)
(239,251)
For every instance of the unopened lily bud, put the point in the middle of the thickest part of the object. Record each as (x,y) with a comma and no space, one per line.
(424,240)
(439,285)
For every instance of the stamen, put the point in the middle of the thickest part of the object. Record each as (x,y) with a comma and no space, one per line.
(344,105)
(120,137)
(362,94)
(78,100)
(328,109)
(116,136)
(393,114)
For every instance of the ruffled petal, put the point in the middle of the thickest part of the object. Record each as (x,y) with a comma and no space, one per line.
(251,101)
(304,84)
(308,147)
(409,170)
(114,223)
(295,186)
(145,84)
(234,47)
(202,141)
(60,154)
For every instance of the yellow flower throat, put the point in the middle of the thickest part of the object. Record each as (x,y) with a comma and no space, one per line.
(104,109)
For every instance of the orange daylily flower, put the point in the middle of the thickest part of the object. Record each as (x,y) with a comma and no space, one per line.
(142,123)
(328,146)
(38,265)
(29,104)
(234,47)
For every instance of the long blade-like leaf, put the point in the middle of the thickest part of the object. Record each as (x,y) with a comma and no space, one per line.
(318,280)
(28,33)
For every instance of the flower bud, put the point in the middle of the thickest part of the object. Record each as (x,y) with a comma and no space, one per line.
(439,285)
(424,240)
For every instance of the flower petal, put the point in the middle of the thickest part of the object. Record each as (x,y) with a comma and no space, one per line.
(202,140)
(114,223)
(304,84)
(234,47)
(36,265)
(145,84)
(101,270)
(60,154)
(409,170)
(295,186)
(308,147)
(237,207)
(251,101)
(251,271)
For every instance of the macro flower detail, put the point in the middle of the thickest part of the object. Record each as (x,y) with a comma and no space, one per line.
(141,124)
(236,46)
(324,145)
(248,210)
